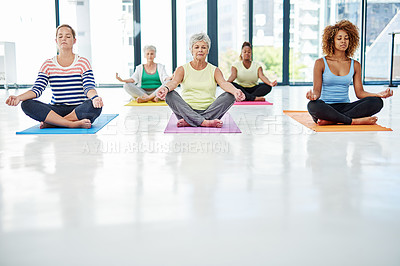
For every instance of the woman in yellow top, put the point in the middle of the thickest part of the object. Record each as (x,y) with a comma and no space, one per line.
(198,105)
(246,74)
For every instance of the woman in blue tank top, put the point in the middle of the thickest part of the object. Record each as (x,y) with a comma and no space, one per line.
(329,98)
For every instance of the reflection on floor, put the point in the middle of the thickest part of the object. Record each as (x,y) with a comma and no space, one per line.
(276,194)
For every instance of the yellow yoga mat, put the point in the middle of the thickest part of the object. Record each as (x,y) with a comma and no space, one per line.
(304,118)
(150,103)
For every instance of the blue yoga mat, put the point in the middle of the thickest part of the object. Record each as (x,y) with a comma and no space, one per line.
(98,124)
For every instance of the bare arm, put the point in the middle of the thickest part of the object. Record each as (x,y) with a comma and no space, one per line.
(130,80)
(358,87)
(173,84)
(265,79)
(15,100)
(315,93)
(227,86)
(233,75)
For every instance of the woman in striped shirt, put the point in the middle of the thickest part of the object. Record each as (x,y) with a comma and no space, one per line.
(75,102)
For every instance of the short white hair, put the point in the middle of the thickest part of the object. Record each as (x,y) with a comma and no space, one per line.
(149,47)
(199,37)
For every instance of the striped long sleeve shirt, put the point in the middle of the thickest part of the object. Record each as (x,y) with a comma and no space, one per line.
(68,84)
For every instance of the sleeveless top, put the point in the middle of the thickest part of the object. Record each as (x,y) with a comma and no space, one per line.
(150,81)
(335,89)
(247,77)
(199,86)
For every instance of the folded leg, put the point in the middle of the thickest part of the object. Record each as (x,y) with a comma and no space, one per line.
(219,107)
(365,107)
(318,109)
(183,110)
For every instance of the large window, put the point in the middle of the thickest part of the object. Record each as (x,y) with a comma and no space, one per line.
(383,18)
(32,31)
(307,22)
(156,30)
(350,10)
(191,19)
(268,36)
(104,35)
(233,30)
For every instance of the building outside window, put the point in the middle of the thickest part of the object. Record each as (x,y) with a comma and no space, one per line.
(233,30)
(268,36)
(32,33)
(104,40)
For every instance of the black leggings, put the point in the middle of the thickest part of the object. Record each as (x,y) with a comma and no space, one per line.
(39,111)
(344,112)
(251,93)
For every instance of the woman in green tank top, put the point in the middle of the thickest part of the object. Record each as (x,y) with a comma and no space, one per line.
(197,104)
(147,78)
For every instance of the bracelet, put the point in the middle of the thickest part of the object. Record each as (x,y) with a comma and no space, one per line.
(167,88)
(94,97)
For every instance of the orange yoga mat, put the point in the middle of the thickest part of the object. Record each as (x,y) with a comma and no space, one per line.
(303,117)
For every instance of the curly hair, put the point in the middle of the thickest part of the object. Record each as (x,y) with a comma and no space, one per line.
(328,37)
(244,45)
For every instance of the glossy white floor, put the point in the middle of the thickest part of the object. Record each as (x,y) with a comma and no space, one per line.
(277,194)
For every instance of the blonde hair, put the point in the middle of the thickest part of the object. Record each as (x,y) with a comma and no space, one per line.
(328,37)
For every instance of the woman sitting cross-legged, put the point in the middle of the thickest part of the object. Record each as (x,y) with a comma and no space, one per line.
(147,78)
(246,74)
(198,105)
(75,102)
(329,98)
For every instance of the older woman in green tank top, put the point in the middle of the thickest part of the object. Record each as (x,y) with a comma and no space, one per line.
(147,78)
(198,106)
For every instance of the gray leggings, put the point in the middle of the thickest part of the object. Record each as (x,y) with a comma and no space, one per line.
(195,117)
(136,91)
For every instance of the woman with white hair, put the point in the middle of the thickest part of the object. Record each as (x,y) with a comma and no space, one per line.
(147,78)
(198,105)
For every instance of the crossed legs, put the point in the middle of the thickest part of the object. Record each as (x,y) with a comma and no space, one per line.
(210,117)
(255,93)
(358,112)
(140,94)
(71,116)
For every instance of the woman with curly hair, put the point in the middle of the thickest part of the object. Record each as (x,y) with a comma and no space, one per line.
(329,98)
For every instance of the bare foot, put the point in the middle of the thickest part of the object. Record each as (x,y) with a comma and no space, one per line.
(370,120)
(322,122)
(45,125)
(182,123)
(84,123)
(212,123)
(142,99)
(259,99)
(155,99)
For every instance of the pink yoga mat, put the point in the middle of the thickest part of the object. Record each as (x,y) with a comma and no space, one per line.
(229,126)
(253,103)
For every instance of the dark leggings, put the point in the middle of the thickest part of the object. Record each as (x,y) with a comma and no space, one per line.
(39,111)
(344,112)
(251,93)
